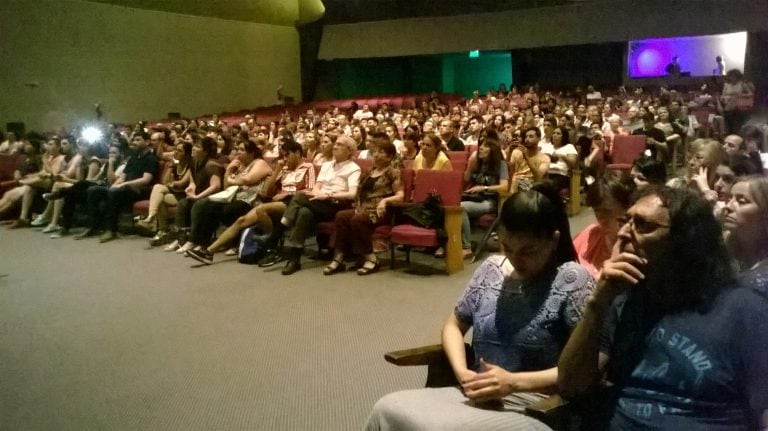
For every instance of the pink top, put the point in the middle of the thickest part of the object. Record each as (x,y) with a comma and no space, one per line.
(593,249)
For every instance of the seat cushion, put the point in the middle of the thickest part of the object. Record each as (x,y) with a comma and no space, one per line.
(620,166)
(141,208)
(486,220)
(326,227)
(413,235)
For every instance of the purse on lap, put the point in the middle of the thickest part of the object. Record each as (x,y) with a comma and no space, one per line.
(225,196)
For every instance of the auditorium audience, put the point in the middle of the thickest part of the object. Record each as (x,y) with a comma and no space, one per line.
(513,115)
(244,179)
(27,170)
(106,202)
(85,166)
(77,193)
(290,175)
(53,164)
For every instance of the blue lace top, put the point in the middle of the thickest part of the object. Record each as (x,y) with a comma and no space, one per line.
(522,326)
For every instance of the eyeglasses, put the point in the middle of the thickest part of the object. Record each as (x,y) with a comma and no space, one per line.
(640,225)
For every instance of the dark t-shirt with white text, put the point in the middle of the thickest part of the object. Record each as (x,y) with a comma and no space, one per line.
(691,370)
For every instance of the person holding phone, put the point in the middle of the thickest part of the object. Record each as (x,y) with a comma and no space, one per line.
(656,139)
(526,162)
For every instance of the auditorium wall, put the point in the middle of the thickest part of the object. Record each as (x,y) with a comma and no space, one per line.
(578,23)
(60,57)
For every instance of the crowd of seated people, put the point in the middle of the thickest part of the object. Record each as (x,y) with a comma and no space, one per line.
(693,251)
(540,135)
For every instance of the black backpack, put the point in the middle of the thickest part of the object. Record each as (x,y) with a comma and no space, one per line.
(253,246)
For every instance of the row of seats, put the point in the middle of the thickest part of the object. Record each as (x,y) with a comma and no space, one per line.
(417,185)
(275,112)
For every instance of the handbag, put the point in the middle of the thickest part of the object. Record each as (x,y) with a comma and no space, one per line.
(428,214)
(473,197)
(225,196)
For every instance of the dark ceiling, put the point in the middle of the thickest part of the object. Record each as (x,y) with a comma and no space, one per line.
(291,12)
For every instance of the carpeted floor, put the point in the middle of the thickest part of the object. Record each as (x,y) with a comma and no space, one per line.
(117,337)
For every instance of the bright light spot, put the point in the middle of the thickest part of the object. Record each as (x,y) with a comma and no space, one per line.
(91,134)
(733,48)
(649,62)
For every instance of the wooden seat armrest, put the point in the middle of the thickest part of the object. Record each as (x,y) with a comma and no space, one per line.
(548,405)
(417,356)
(553,411)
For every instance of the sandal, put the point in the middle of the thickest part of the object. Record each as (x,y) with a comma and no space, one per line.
(366,269)
(334,269)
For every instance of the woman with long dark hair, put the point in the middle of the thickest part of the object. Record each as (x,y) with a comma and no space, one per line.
(521,307)
(487,177)
(204,179)
(170,190)
(563,160)
(247,174)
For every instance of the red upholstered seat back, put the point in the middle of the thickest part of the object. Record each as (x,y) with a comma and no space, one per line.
(406,175)
(458,156)
(626,149)
(447,184)
(365,164)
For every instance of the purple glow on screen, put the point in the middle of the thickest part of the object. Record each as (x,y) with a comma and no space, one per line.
(650,62)
(650,57)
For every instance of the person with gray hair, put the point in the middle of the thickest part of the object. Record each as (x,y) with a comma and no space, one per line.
(334,190)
